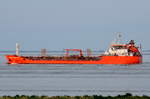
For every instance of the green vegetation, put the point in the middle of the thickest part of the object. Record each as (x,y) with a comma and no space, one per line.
(126,96)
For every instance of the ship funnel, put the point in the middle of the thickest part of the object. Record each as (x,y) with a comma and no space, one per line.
(17,49)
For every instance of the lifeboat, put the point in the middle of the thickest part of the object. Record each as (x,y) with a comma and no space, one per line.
(116,54)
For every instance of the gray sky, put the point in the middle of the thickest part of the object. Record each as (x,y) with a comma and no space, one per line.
(59,24)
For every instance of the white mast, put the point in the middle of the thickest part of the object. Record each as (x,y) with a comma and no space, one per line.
(17,49)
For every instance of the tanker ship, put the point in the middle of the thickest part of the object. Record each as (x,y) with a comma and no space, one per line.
(117,53)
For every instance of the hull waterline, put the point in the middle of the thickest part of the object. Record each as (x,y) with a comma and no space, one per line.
(13,59)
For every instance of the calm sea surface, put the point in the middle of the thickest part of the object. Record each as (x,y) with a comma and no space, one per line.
(73,80)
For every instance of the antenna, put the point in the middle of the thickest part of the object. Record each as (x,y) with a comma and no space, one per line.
(118,38)
(141,49)
(17,49)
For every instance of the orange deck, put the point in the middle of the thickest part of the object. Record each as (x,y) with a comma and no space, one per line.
(13,59)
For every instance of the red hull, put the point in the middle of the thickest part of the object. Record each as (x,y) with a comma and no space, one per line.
(13,59)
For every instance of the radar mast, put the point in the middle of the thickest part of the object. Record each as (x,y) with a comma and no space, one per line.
(118,39)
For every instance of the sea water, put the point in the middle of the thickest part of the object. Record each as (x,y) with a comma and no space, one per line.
(60,79)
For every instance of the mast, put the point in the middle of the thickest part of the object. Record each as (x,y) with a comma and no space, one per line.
(89,52)
(141,49)
(17,49)
(43,52)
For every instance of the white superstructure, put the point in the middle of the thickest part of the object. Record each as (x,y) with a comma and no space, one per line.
(117,50)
